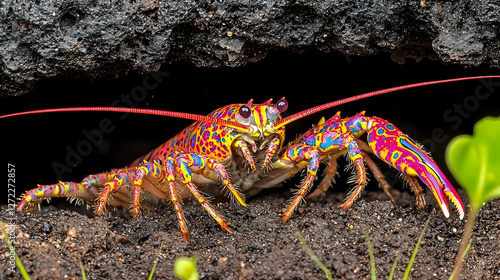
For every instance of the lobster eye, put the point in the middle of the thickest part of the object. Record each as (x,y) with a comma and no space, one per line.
(282,105)
(245,112)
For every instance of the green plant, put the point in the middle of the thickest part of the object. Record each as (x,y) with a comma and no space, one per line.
(410,264)
(155,263)
(414,254)
(370,253)
(185,268)
(312,255)
(474,162)
(373,270)
(16,257)
(82,269)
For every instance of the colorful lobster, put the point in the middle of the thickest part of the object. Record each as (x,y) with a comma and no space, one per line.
(245,141)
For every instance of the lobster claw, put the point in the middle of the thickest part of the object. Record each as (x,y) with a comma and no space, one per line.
(398,150)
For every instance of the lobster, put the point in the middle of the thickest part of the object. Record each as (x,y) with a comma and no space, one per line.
(241,146)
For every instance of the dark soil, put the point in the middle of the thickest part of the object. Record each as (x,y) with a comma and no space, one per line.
(112,246)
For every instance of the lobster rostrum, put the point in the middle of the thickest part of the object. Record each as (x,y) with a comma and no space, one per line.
(248,139)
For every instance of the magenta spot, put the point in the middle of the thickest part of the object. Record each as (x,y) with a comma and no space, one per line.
(205,136)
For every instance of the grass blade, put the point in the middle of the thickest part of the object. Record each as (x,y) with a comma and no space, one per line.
(84,277)
(373,270)
(463,257)
(151,274)
(410,264)
(393,268)
(16,257)
(312,255)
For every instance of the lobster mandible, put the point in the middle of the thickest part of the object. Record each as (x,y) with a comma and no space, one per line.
(239,137)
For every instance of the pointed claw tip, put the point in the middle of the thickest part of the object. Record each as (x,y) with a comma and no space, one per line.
(445,211)
(285,217)
(455,199)
(240,200)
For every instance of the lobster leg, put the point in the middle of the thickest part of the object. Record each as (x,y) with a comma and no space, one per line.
(305,154)
(174,197)
(121,178)
(86,190)
(360,184)
(331,171)
(365,150)
(184,166)
(188,167)
(242,145)
(143,171)
(157,172)
(417,189)
(308,153)
(274,145)
(396,149)
(328,178)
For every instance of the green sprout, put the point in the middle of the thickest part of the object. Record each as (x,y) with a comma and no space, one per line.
(16,257)
(152,272)
(393,269)
(370,253)
(185,268)
(82,269)
(312,255)
(474,162)
(373,270)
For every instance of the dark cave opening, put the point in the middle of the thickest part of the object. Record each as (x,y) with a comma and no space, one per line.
(43,147)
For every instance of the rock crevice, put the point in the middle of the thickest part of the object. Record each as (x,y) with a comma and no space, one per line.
(40,39)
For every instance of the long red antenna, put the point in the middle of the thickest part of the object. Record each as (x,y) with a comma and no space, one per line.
(136,111)
(319,108)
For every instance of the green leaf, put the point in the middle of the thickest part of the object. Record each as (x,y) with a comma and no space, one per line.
(475,161)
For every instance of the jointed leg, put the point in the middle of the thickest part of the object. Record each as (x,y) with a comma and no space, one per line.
(360,183)
(308,153)
(174,197)
(183,163)
(417,189)
(242,145)
(366,151)
(86,190)
(328,178)
(121,178)
(270,152)
(143,171)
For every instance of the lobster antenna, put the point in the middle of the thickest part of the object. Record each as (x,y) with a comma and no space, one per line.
(189,116)
(319,108)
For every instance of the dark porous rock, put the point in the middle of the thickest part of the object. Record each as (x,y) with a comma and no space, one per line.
(40,39)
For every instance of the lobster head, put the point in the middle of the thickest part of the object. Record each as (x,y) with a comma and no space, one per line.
(260,118)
